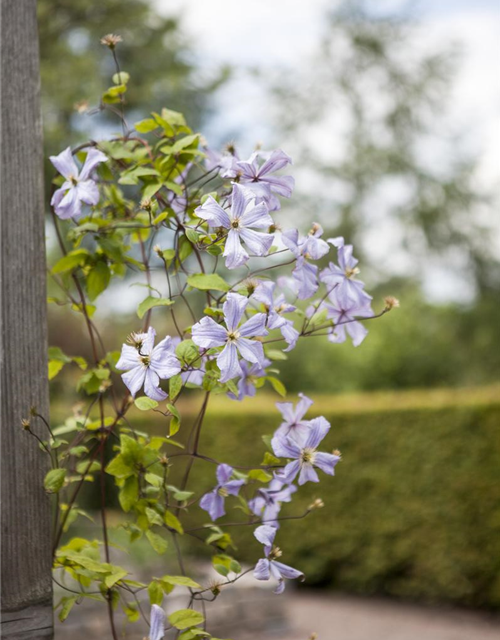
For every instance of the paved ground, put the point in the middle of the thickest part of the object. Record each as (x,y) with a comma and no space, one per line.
(349,618)
(331,617)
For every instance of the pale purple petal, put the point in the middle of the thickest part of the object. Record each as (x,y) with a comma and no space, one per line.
(291,470)
(257,216)
(258,242)
(88,192)
(290,238)
(235,254)
(134,379)
(250,350)
(319,427)
(152,386)
(326,462)
(261,571)
(305,275)
(255,326)
(157,623)
(223,473)
(357,332)
(65,164)
(207,333)
(265,535)
(284,447)
(240,199)
(213,213)
(280,587)
(290,335)
(282,185)
(233,486)
(70,205)
(213,503)
(94,157)
(286,571)
(129,358)
(264,292)
(228,363)
(233,309)
(307,474)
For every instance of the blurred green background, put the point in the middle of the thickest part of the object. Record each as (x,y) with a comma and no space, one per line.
(414,509)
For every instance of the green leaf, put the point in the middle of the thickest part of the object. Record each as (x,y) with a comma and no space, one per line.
(158,543)
(277,385)
(71,261)
(275,354)
(182,581)
(147,125)
(153,516)
(151,302)
(54,367)
(175,422)
(173,522)
(144,403)
(98,279)
(260,475)
(119,468)
(192,235)
(129,493)
(117,574)
(223,570)
(206,281)
(67,605)
(185,618)
(185,142)
(174,386)
(54,480)
(155,592)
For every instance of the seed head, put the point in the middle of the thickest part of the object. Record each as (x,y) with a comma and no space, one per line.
(111,40)
(391,303)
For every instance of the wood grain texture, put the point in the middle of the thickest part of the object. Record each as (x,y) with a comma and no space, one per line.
(26,515)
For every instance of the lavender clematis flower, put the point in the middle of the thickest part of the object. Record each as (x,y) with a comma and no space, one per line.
(243,215)
(294,426)
(246,384)
(310,247)
(208,334)
(267,502)
(275,307)
(304,454)
(343,277)
(343,310)
(269,566)
(213,502)
(257,176)
(157,623)
(79,186)
(145,364)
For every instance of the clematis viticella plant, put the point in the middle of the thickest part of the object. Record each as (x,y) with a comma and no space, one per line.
(156,206)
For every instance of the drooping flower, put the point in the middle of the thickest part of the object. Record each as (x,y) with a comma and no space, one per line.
(344,310)
(246,384)
(208,334)
(213,502)
(343,277)
(157,623)
(257,176)
(269,566)
(304,248)
(79,186)
(268,500)
(294,426)
(304,453)
(275,307)
(145,364)
(243,216)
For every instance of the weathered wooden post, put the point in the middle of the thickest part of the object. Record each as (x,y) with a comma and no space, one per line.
(26,517)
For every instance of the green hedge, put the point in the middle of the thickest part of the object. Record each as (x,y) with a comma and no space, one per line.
(414,510)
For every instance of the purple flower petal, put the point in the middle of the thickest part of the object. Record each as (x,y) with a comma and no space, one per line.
(262,570)
(88,192)
(235,254)
(134,379)
(307,474)
(265,535)
(326,462)
(223,473)
(228,362)
(319,427)
(258,242)
(255,326)
(233,486)
(207,333)
(233,309)
(257,216)
(286,571)
(94,157)
(157,623)
(65,164)
(151,386)
(213,213)
(250,350)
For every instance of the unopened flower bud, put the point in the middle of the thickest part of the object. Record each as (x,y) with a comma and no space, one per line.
(336,452)
(163,460)
(158,250)
(146,204)
(81,106)
(391,303)
(111,40)
(25,424)
(316,504)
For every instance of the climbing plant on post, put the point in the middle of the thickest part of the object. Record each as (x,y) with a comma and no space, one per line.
(26,514)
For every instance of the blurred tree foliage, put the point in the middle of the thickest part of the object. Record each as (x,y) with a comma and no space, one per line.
(75,67)
(391,161)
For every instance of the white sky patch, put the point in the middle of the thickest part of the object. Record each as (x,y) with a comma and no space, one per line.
(266,35)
